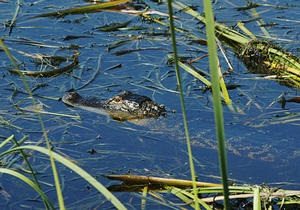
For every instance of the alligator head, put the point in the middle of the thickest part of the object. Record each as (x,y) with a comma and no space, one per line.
(124,106)
(136,105)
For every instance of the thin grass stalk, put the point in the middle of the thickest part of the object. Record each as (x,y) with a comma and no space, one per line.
(68,163)
(187,196)
(178,77)
(46,201)
(260,22)
(143,200)
(29,182)
(188,10)
(13,20)
(54,171)
(8,139)
(218,112)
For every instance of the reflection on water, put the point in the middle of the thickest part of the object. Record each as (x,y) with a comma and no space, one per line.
(261,137)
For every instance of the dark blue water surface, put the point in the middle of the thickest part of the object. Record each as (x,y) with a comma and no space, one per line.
(262,139)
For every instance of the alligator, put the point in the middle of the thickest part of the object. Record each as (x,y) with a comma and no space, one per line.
(137,109)
(122,107)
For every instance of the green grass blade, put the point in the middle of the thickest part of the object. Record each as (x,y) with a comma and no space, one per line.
(144,201)
(10,138)
(30,183)
(14,19)
(84,9)
(179,83)
(221,29)
(256,199)
(54,171)
(218,112)
(187,197)
(59,158)
(195,74)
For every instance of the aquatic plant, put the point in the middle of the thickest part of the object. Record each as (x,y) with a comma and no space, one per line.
(219,121)
(218,109)
(179,84)
(269,58)
(63,160)
(209,194)
(260,56)
(84,9)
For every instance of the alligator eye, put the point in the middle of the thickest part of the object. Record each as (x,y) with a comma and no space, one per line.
(117,98)
(126,92)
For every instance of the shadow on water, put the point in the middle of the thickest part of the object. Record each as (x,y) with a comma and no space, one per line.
(262,139)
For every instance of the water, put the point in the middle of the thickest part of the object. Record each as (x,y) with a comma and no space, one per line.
(261,148)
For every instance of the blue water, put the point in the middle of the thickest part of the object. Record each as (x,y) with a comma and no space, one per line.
(262,148)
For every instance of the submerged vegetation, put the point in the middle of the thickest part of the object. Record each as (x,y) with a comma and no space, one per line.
(264,57)
(243,196)
(259,56)
(53,72)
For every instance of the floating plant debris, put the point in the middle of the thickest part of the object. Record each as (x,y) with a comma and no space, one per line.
(53,72)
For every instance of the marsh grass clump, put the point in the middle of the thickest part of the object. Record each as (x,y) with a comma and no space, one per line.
(210,195)
(259,56)
(264,57)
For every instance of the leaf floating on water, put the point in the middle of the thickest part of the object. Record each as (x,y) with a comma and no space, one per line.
(84,9)
(249,6)
(29,42)
(113,26)
(123,52)
(70,37)
(54,72)
(119,65)
(117,44)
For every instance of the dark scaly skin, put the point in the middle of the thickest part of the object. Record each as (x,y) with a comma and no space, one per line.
(124,106)
(132,107)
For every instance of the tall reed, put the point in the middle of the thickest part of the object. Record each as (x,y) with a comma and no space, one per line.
(218,112)
(179,83)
